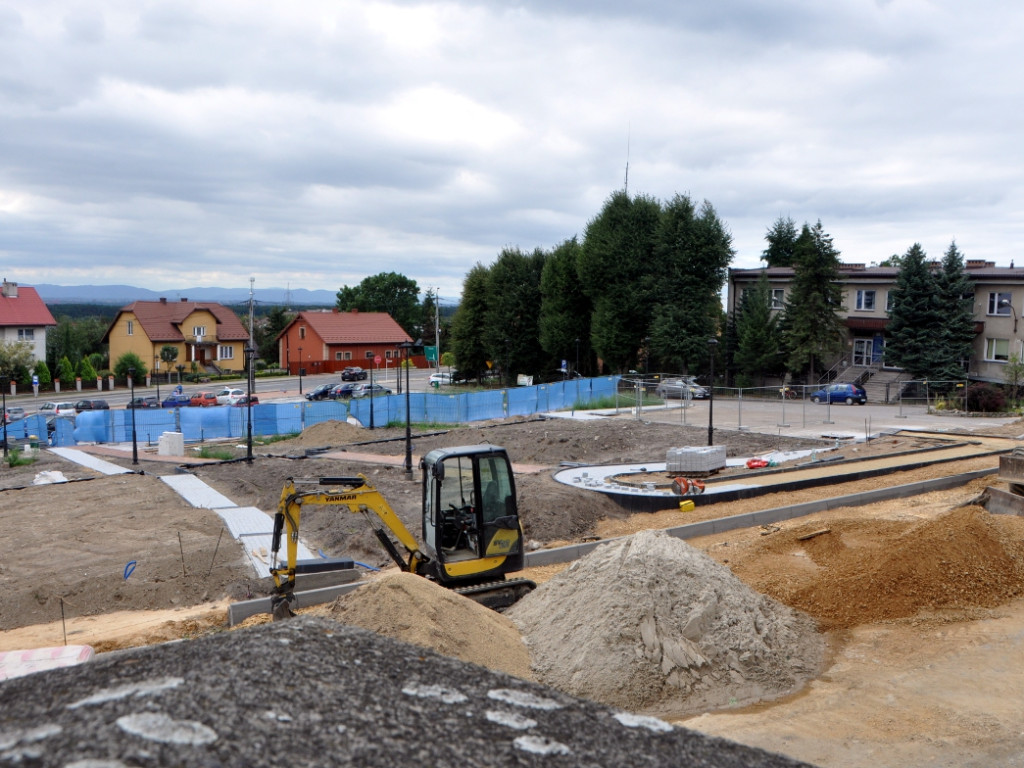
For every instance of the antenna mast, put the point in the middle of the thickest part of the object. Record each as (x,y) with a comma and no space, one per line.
(626,186)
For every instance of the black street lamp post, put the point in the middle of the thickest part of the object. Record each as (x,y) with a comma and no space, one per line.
(406,346)
(712,345)
(300,370)
(132,404)
(3,388)
(577,356)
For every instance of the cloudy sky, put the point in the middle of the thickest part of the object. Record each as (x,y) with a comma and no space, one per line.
(310,144)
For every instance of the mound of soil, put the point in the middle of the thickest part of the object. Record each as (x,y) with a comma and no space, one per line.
(867,571)
(415,610)
(650,624)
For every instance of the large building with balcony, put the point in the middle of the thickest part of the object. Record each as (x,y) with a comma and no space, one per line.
(209,337)
(867,298)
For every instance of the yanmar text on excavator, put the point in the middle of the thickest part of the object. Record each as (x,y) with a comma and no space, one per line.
(471,534)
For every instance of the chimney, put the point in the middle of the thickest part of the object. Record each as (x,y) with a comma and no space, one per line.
(184,301)
(10,290)
(334,310)
(163,299)
(355,311)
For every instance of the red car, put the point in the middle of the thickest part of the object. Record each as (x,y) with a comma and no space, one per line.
(204,399)
(245,400)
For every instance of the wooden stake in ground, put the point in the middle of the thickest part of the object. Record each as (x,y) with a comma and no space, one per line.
(182,550)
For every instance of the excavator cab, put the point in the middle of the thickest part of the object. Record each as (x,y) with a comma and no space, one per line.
(471,527)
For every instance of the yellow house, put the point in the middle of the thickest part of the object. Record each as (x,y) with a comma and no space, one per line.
(207,334)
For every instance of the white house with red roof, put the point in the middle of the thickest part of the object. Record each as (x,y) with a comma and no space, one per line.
(328,341)
(24,317)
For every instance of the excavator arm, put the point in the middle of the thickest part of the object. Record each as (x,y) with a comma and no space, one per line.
(356,495)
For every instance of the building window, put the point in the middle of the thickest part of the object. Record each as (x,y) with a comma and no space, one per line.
(866,301)
(348,355)
(778,298)
(199,330)
(337,355)
(388,353)
(26,334)
(999,304)
(369,354)
(130,326)
(888,301)
(302,331)
(997,349)
(225,352)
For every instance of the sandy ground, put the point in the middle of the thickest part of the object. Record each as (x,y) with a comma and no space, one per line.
(938,687)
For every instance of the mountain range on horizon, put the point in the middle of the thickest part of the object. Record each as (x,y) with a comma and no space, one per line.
(126,294)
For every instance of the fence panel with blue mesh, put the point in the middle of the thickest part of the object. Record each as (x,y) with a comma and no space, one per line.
(222,422)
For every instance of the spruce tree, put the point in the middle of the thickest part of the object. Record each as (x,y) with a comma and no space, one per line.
(757,353)
(812,327)
(781,238)
(956,297)
(916,319)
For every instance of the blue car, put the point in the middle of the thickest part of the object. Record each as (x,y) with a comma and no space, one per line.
(176,400)
(841,393)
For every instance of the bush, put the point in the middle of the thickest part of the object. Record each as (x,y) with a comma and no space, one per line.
(985,398)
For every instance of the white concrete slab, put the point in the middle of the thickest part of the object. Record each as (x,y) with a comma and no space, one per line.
(243,521)
(90,461)
(196,492)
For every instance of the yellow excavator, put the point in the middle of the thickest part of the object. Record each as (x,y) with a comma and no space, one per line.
(471,534)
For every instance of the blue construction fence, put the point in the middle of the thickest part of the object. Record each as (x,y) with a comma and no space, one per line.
(198,424)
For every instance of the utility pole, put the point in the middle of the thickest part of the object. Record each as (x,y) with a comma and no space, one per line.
(437,328)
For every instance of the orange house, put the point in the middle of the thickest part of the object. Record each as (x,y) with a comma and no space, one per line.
(328,341)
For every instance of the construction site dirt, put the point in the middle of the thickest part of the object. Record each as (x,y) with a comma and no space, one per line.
(920,598)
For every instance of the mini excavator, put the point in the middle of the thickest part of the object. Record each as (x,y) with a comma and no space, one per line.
(472,537)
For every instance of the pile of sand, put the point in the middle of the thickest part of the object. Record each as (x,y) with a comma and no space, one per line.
(649,623)
(415,610)
(966,558)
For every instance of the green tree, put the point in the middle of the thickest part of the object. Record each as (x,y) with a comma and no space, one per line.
(781,238)
(75,338)
(956,298)
(130,360)
(511,325)
(1013,375)
(388,292)
(614,272)
(916,319)
(758,342)
(42,370)
(811,325)
(564,309)
(267,332)
(14,356)
(468,324)
(86,371)
(65,372)
(692,252)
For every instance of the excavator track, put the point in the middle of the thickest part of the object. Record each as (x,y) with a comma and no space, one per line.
(498,595)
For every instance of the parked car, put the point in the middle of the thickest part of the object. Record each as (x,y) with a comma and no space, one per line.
(204,399)
(341,391)
(177,400)
(245,400)
(57,409)
(681,388)
(147,401)
(440,379)
(228,395)
(353,373)
(366,390)
(14,413)
(841,393)
(321,392)
(92,405)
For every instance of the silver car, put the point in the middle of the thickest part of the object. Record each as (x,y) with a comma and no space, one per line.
(681,388)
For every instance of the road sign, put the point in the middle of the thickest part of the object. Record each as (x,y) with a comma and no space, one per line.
(376,361)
